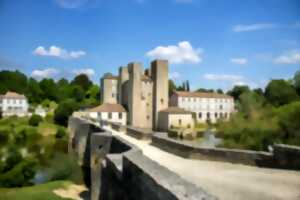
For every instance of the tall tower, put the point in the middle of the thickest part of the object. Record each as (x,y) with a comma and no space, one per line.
(134,94)
(109,88)
(159,73)
(123,77)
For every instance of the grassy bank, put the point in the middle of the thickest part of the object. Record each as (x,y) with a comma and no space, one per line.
(37,192)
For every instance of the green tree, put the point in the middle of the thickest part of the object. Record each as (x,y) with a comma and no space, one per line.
(297,81)
(280,92)
(78,93)
(172,87)
(64,110)
(34,91)
(13,81)
(83,81)
(49,89)
(220,91)
(187,86)
(237,91)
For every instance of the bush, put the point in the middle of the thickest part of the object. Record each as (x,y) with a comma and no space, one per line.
(172,134)
(35,120)
(20,175)
(60,133)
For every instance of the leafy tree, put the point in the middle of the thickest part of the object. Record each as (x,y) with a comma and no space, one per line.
(62,82)
(220,91)
(172,87)
(49,89)
(13,81)
(204,90)
(187,86)
(64,110)
(34,91)
(78,93)
(35,120)
(237,91)
(297,81)
(83,81)
(280,92)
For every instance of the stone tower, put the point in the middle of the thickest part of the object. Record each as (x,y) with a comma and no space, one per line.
(159,74)
(134,94)
(109,88)
(123,77)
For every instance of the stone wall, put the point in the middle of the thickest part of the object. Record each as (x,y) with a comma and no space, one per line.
(120,171)
(284,156)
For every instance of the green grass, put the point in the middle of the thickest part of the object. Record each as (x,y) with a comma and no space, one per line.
(37,192)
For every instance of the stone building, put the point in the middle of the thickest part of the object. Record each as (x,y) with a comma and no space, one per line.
(142,93)
(174,117)
(13,103)
(206,106)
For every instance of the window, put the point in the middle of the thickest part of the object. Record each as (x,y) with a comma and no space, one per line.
(221,107)
(113,95)
(221,115)
(162,101)
(109,115)
(226,115)
(200,115)
(120,115)
(216,115)
(179,121)
(208,115)
(148,117)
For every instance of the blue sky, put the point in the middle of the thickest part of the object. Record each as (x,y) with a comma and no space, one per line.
(212,43)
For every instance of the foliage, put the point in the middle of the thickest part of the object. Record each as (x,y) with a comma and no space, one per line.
(35,120)
(297,81)
(172,87)
(280,92)
(83,81)
(13,81)
(64,110)
(60,133)
(237,91)
(64,167)
(20,175)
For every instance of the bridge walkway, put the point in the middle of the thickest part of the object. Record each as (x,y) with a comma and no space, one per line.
(226,180)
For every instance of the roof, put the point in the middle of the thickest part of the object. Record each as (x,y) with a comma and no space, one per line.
(176,110)
(202,94)
(15,95)
(107,107)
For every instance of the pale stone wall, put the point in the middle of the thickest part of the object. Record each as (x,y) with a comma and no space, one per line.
(159,73)
(123,77)
(115,117)
(168,120)
(109,90)
(146,103)
(205,108)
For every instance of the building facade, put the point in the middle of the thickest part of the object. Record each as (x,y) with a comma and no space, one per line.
(174,117)
(13,103)
(142,93)
(206,106)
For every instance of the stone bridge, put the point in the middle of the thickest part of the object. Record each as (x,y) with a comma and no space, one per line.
(157,167)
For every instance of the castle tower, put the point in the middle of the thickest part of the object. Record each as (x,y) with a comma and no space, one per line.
(159,73)
(134,94)
(123,77)
(109,88)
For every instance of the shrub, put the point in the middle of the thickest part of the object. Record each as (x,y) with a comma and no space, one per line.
(172,134)
(60,133)
(35,120)
(20,175)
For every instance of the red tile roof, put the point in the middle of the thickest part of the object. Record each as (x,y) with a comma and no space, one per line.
(107,107)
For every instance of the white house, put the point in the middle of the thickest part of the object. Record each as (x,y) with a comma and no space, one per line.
(109,112)
(206,106)
(40,111)
(13,103)
(174,117)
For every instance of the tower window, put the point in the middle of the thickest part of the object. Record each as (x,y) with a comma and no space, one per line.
(120,115)
(200,115)
(162,101)
(109,115)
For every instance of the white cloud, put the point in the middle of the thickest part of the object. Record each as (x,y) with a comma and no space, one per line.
(253,27)
(223,77)
(239,61)
(45,73)
(175,75)
(289,57)
(88,71)
(182,53)
(56,51)
(71,4)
